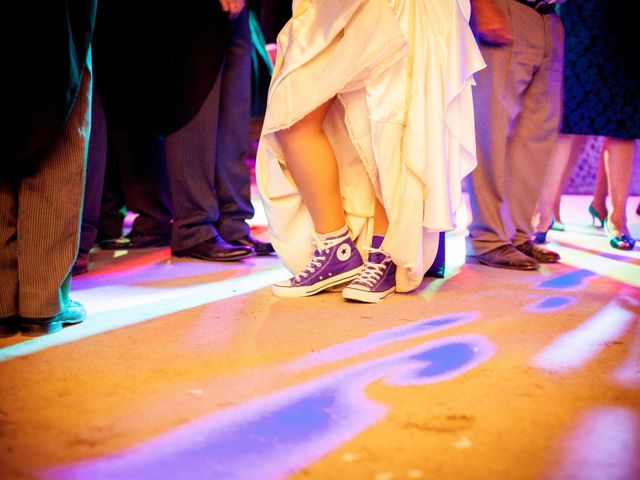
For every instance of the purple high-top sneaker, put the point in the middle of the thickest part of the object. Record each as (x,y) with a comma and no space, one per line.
(335,260)
(377,280)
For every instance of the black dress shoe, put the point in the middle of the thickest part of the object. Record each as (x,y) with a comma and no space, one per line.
(261,248)
(73,313)
(136,240)
(9,326)
(505,256)
(542,255)
(215,250)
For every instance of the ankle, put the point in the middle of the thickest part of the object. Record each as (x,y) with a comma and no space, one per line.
(600,208)
(339,233)
(617,224)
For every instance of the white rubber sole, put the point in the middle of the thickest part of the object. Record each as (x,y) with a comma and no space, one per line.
(284,289)
(366,296)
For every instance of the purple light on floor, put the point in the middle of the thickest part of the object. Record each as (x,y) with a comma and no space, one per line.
(567,281)
(550,304)
(352,348)
(604,445)
(273,436)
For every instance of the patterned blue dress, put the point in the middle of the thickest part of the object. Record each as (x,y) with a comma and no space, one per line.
(602,69)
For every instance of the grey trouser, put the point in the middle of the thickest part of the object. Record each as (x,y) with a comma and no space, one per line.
(40,221)
(210,183)
(518,107)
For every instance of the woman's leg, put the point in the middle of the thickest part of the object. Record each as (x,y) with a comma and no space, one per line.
(579,141)
(552,185)
(618,163)
(312,162)
(380,220)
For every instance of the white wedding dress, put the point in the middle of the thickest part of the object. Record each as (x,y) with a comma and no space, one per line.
(402,128)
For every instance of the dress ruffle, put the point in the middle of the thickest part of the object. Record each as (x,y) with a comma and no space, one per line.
(402,129)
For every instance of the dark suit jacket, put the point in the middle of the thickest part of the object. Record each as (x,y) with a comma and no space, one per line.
(42,66)
(155,61)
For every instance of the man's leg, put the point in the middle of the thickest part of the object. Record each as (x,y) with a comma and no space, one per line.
(489,228)
(49,212)
(190,154)
(497,104)
(535,132)
(8,257)
(232,180)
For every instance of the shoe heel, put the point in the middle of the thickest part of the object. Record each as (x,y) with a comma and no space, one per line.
(539,237)
(595,216)
(36,329)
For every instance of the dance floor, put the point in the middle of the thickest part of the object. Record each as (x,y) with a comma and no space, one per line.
(185,369)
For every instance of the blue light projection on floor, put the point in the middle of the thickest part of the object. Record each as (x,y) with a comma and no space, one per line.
(568,281)
(273,436)
(550,304)
(352,348)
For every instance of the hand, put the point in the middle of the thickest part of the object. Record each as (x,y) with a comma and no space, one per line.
(490,23)
(233,7)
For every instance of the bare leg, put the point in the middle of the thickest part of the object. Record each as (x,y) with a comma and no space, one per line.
(380,220)
(577,146)
(618,163)
(552,185)
(313,166)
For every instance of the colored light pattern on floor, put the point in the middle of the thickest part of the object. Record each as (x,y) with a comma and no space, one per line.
(600,447)
(567,281)
(273,436)
(550,304)
(112,307)
(379,339)
(575,348)
(277,434)
(627,375)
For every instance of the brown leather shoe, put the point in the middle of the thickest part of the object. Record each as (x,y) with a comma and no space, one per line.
(542,255)
(505,256)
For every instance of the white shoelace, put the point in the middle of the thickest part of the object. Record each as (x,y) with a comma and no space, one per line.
(320,246)
(371,272)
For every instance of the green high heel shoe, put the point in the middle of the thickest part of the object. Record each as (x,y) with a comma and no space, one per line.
(621,241)
(558,226)
(595,215)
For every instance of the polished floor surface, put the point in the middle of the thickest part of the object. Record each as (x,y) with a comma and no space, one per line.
(192,370)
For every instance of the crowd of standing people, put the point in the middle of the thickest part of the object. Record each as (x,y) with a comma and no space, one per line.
(376,112)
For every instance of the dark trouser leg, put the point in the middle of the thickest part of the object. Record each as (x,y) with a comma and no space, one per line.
(190,154)
(49,207)
(232,180)
(95,175)
(139,157)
